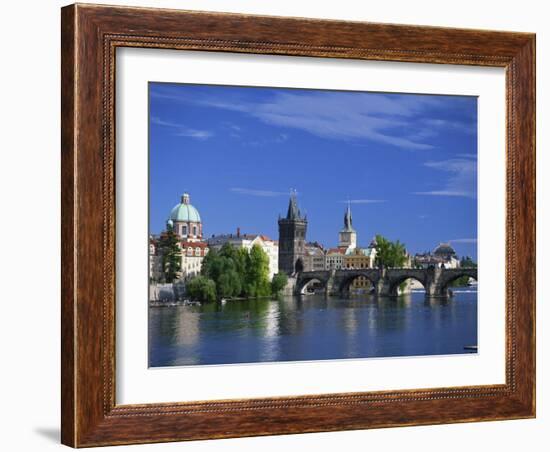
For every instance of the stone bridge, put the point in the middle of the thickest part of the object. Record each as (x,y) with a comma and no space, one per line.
(385,281)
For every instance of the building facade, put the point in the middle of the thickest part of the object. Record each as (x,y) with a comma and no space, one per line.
(292,239)
(361,258)
(443,256)
(314,257)
(334,259)
(192,255)
(155,264)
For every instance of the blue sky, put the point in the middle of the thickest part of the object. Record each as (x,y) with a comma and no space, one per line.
(406,162)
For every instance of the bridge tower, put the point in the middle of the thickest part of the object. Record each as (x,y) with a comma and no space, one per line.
(348,235)
(292,238)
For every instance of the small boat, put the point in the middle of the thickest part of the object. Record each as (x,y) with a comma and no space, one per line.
(191,303)
(223,301)
(472,348)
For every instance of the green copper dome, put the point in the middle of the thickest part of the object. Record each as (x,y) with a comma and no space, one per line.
(185,211)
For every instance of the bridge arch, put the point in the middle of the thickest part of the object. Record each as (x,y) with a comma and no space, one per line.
(306,278)
(349,276)
(396,281)
(449,276)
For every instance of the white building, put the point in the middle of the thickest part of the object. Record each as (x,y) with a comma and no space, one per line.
(155,263)
(192,255)
(334,259)
(443,256)
(247,241)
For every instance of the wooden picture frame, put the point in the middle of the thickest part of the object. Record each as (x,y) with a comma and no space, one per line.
(90,36)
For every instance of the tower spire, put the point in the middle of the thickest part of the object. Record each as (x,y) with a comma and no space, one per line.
(293,212)
(348,236)
(347,218)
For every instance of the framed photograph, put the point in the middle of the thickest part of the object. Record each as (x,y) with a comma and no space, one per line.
(282,225)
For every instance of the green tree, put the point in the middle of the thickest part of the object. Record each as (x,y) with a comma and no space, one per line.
(278,283)
(171,254)
(256,281)
(390,254)
(467,262)
(228,282)
(208,262)
(201,288)
(223,267)
(238,272)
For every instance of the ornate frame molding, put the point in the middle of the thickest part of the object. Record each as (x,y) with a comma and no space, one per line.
(90,37)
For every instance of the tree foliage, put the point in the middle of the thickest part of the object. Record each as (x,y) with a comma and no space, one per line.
(236,272)
(467,262)
(278,283)
(390,254)
(202,288)
(256,282)
(171,255)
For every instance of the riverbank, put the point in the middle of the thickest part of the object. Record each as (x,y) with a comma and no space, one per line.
(186,302)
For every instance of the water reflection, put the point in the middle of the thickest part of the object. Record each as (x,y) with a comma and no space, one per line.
(312,327)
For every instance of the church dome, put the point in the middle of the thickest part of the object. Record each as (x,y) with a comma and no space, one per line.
(184,211)
(444,249)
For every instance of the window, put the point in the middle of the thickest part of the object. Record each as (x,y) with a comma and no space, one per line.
(184,230)
(194,230)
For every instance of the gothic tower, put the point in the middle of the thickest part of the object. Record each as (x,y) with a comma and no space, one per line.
(348,236)
(292,239)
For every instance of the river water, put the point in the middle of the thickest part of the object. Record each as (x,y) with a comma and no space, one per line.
(312,328)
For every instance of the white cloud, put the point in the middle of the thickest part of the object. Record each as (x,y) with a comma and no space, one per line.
(364,201)
(335,115)
(463,241)
(392,120)
(461,181)
(182,131)
(466,127)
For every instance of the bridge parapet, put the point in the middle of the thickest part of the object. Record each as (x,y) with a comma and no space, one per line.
(385,280)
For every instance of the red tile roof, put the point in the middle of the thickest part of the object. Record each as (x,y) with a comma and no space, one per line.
(337,251)
(194,244)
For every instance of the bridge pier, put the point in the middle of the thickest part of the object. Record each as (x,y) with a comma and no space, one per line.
(383,286)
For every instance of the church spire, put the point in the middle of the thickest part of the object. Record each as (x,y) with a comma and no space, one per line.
(347,218)
(348,236)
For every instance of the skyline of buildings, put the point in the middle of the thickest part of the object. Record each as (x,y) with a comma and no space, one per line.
(292,252)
